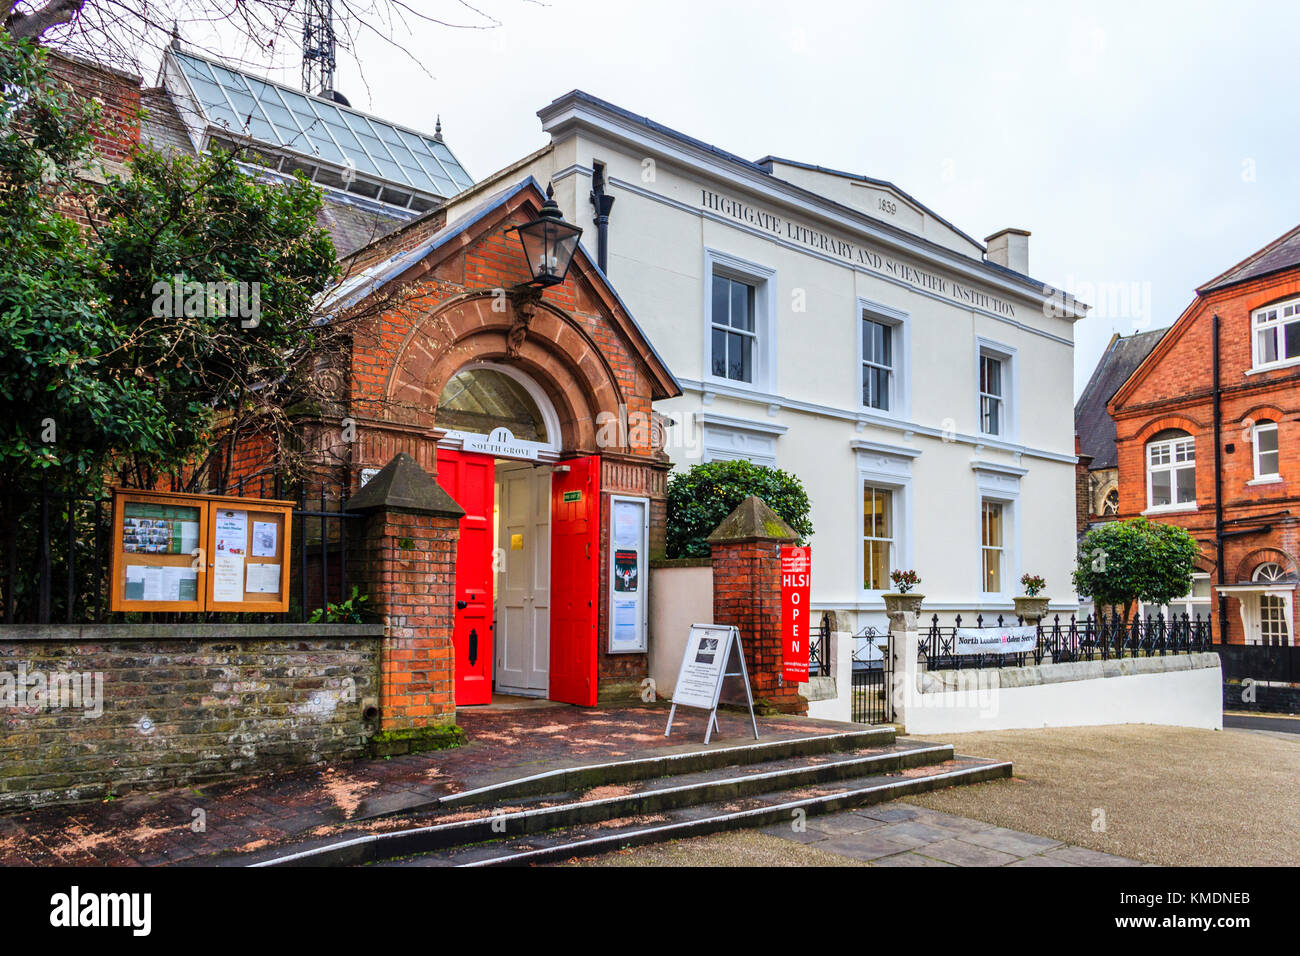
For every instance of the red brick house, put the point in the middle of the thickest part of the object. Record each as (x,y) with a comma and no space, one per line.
(1208,437)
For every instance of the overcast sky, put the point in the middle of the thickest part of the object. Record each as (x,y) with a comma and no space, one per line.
(1148,146)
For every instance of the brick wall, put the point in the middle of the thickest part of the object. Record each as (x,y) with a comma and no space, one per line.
(747,593)
(409,563)
(118,133)
(222,701)
(1174,390)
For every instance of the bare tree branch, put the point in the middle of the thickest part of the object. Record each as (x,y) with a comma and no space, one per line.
(32,25)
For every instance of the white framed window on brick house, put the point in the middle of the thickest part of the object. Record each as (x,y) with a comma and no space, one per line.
(884,356)
(1266,452)
(740,322)
(1194,604)
(1275,334)
(1171,471)
(995,374)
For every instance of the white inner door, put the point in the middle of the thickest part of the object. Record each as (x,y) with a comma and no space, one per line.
(523,613)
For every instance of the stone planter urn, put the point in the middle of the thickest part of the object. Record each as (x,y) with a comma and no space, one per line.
(1032,609)
(897,603)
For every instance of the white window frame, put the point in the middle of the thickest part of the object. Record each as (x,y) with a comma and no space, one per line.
(763,358)
(1173,466)
(1006,354)
(888,467)
(893,492)
(1001,549)
(1273,318)
(1264,477)
(900,381)
(999,484)
(1188,604)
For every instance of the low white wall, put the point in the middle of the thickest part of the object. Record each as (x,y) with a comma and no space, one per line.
(1183,690)
(679,597)
(831,697)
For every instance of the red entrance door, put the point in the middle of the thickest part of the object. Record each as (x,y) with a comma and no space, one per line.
(575,561)
(468,479)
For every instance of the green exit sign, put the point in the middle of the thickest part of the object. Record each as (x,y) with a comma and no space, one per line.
(572,496)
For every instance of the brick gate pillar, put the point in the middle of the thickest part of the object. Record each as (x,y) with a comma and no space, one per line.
(746,551)
(408,553)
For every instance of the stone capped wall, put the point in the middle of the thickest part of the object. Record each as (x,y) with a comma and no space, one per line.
(178,704)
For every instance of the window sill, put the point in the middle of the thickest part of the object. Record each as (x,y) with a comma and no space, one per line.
(1273,366)
(713,380)
(1172,509)
(1266,480)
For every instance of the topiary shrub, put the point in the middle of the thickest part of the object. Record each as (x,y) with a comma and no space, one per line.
(700,497)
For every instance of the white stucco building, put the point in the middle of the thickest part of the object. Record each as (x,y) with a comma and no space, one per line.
(915,379)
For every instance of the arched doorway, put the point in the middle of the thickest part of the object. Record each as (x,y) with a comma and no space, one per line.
(526,564)
(1274,610)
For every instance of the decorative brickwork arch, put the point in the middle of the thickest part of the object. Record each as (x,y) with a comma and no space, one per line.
(1247,565)
(1157,425)
(554,349)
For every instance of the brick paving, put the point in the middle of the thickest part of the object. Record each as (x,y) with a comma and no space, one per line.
(185,825)
(897,834)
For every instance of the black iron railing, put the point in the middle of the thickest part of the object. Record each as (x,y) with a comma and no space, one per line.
(819,646)
(872,661)
(1093,638)
(57,557)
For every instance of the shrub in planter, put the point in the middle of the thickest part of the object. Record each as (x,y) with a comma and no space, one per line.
(699,498)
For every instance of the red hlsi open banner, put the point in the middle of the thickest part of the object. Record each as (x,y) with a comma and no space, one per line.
(796,592)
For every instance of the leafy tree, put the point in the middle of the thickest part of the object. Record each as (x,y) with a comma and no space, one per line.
(1135,560)
(699,498)
(63,409)
(215,276)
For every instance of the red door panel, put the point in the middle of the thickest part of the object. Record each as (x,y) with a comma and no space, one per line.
(575,562)
(468,479)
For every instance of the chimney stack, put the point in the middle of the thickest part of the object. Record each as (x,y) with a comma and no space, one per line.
(1009,248)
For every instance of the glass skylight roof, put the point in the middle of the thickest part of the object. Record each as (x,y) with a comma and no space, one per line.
(285,118)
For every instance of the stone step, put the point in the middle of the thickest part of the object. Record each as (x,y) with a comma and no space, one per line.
(758,810)
(569,780)
(597,804)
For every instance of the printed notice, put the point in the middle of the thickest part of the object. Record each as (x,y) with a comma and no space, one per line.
(232,534)
(134,582)
(627,633)
(227,577)
(189,536)
(700,675)
(264,533)
(179,584)
(263,579)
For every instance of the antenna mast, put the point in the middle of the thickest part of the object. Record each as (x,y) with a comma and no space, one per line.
(318,47)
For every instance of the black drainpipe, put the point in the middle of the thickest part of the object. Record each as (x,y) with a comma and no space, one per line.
(603,204)
(1218,484)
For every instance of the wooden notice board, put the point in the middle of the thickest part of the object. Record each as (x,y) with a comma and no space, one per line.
(177,552)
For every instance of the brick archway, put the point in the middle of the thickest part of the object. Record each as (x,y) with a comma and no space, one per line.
(1247,565)
(556,351)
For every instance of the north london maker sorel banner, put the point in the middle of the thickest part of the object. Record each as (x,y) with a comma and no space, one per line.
(996,640)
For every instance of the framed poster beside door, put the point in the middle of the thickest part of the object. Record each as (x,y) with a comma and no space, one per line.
(629,537)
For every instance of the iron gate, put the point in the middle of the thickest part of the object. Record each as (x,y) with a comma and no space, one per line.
(873,661)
